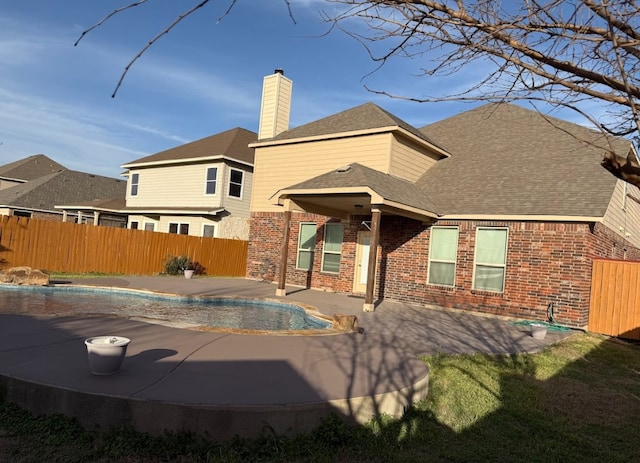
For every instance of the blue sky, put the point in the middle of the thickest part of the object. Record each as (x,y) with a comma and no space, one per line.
(202,78)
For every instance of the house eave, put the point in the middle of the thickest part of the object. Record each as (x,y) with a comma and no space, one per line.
(72,208)
(198,159)
(301,196)
(355,133)
(175,211)
(521,218)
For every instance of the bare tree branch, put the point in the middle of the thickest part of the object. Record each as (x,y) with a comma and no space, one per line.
(106,18)
(166,30)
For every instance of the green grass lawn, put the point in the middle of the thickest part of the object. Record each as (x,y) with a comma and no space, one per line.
(579,400)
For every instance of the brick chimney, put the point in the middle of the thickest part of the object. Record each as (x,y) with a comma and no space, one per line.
(276,105)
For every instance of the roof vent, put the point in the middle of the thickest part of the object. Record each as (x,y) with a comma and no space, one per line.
(343,169)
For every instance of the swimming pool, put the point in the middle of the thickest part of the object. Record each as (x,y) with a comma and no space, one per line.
(208,312)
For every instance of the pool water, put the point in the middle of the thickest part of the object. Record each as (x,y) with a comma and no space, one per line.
(217,312)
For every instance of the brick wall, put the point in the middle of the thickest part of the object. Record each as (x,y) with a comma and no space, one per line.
(546,263)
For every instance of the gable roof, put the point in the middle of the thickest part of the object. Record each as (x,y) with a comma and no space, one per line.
(508,160)
(232,144)
(64,187)
(365,117)
(30,168)
(355,176)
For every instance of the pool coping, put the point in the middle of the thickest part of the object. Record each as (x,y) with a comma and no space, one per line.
(33,374)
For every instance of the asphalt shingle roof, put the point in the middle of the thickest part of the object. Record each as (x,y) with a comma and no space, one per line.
(233,143)
(62,188)
(389,187)
(30,168)
(508,160)
(367,116)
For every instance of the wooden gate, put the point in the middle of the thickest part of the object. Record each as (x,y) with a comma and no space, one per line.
(615,298)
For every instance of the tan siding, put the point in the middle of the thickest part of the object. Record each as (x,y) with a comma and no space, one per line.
(623,216)
(408,160)
(277,167)
(174,186)
(8,184)
(238,207)
(275,106)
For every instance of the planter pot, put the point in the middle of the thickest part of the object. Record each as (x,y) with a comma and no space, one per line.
(106,353)
(538,330)
(188,273)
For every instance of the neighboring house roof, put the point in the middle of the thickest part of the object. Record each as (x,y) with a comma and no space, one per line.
(30,168)
(64,187)
(508,160)
(231,144)
(355,176)
(366,117)
(109,205)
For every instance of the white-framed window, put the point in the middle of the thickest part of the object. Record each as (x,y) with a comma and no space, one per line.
(235,183)
(134,225)
(135,180)
(490,261)
(306,246)
(443,252)
(332,248)
(209,231)
(211,181)
(179,228)
(149,226)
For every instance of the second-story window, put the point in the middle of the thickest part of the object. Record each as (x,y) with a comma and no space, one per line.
(235,183)
(212,179)
(135,179)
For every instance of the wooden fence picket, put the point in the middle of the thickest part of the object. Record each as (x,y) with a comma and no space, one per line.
(77,248)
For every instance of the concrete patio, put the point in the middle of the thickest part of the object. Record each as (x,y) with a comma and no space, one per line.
(223,384)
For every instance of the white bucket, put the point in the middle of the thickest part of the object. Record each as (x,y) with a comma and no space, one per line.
(106,353)
(538,330)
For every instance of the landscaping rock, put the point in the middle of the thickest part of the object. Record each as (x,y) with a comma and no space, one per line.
(345,322)
(24,276)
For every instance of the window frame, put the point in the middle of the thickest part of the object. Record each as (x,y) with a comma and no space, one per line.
(331,252)
(231,183)
(179,228)
(490,264)
(152,228)
(430,260)
(208,181)
(135,183)
(215,228)
(310,250)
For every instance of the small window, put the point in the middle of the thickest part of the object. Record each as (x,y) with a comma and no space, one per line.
(212,179)
(179,228)
(443,251)
(209,231)
(332,247)
(134,225)
(22,214)
(306,246)
(149,226)
(490,259)
(235,183)
(135,178)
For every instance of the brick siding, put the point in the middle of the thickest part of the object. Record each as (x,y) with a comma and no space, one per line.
(547,262)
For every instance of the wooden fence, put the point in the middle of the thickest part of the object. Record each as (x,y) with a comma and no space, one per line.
(615,298)
(73,248)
